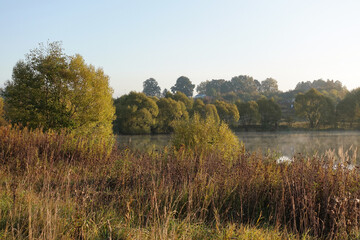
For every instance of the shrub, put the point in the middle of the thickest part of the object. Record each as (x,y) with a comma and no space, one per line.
(205,136)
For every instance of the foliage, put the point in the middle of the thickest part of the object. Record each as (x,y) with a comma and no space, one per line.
(135,114)
(227,112)
(53,91)
(348,110)
(91,99)
(249,112)
(270,113)
(204,136)
(181,97)
(211,112)
(184,85)
(58,186)
(330,88)
(239,87)
(2,113)
(151,88)
(244,83)
(169,112)
(314,107)
(199,108)
(214,87)
(269,85)
(165,92)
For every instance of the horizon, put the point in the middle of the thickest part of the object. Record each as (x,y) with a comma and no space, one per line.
(203,40)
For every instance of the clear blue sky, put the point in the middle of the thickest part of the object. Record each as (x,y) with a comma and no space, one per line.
(291,41)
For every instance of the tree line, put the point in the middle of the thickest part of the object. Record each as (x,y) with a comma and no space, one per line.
(52,90)
(137,113)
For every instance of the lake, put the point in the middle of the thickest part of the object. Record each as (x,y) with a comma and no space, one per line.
(284,143)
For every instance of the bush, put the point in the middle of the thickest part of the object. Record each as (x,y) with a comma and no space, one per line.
(206,136)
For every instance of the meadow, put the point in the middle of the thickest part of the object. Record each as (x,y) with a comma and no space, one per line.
(59,186)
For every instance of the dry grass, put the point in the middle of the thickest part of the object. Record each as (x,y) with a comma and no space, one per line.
(57,186)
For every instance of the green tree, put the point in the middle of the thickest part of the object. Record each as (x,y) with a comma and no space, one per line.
(52,90)
(181,97)
(184,85)
(165,92)
(135,114)
(329,88)
(151,88)
(244,83)
(227,112)
(169,112)
(314,106)
(348,110)
(249,112)
(269,85)
(2,113)
(270,113)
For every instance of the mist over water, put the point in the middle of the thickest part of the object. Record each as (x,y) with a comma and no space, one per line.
(284,143)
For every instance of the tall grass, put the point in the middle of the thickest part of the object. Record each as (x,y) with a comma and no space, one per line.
(57,186)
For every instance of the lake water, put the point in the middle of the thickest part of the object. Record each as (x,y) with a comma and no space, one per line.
(284,143)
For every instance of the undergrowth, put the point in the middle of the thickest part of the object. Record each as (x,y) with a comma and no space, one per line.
(58,186)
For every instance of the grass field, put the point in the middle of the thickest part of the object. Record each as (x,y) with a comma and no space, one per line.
(58,186)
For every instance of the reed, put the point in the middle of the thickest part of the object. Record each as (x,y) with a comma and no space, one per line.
(59,186)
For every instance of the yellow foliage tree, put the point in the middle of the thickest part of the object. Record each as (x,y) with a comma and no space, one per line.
(54,91)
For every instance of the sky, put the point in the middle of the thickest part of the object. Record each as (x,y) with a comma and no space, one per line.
(290,41)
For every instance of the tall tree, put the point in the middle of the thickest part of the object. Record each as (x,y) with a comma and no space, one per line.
(151,88)
(184,85)
(52,90)
(348,110)
(269,85)
(270,113)
(249,112)
(244,83)
(313,106)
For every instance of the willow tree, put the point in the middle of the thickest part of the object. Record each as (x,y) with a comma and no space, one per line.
(170,111)
(135,114)
(52,90)
(228,112)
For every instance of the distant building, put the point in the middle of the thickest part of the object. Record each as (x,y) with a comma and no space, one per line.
(200,96)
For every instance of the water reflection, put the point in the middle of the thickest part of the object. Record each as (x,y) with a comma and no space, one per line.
(285,143)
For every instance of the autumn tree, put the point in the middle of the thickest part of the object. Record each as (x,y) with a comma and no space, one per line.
(211,112)
(151,88)
(52,90)
(2,114)
(135,114)
(184,85)
(181,97)
(170,111)
(227,112)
